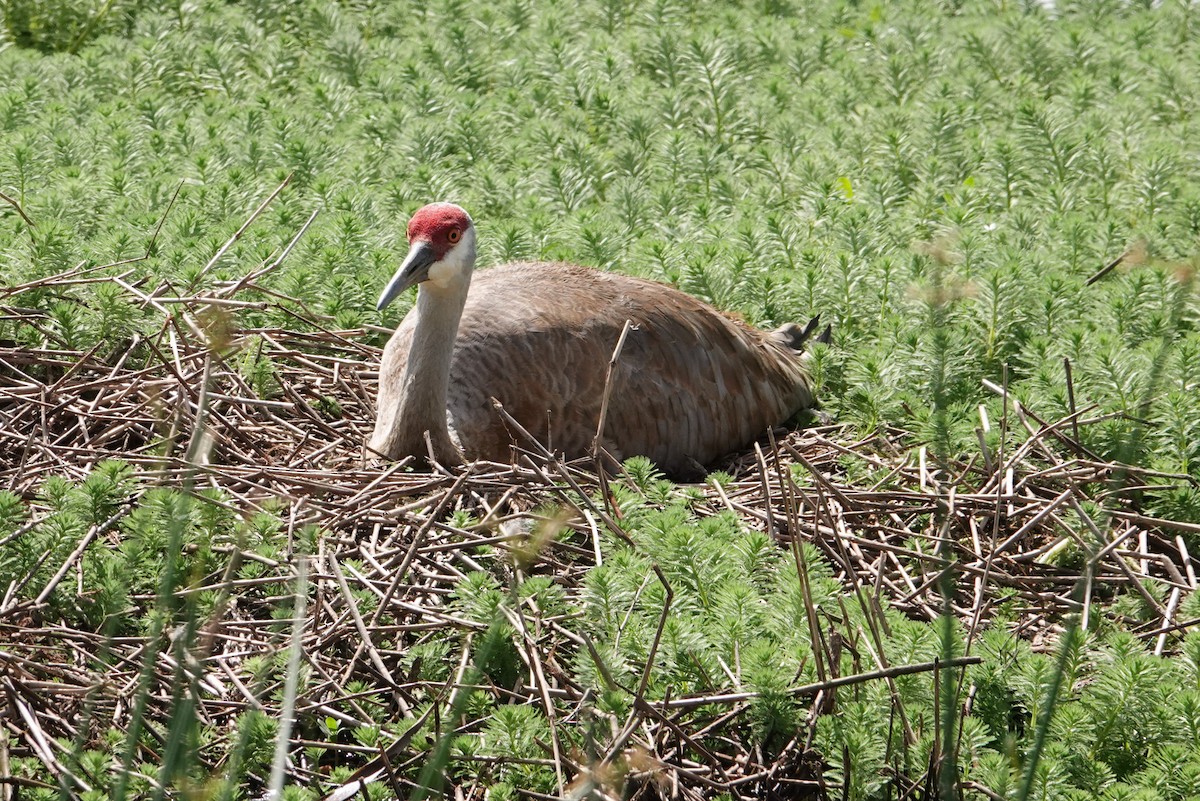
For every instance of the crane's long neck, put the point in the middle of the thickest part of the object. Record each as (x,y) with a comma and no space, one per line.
(426,379)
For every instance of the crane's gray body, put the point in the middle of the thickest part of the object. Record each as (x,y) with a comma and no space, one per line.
(690,385)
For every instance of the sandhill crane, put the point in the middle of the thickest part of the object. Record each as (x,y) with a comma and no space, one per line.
(690,384)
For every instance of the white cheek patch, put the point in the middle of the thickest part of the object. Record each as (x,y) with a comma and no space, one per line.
(454,268)
(443,273)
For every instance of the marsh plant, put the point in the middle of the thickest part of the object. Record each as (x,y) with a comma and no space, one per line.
(944,182)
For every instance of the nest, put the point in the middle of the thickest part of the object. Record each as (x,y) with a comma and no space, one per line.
(196,412)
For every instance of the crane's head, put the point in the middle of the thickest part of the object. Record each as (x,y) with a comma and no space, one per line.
(441,250)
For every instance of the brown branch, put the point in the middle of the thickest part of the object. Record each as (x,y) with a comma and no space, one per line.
(822,686)
(28,222)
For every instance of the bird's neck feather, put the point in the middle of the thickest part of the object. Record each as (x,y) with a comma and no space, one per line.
(427,371)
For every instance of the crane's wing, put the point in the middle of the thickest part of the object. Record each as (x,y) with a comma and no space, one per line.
(690,384)
(699,385)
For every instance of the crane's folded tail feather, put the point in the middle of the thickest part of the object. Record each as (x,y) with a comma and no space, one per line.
(795,336)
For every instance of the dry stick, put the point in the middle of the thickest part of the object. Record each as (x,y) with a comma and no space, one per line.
(517,618)
(802,573)
(821,686)
(768,507)
(1154,522)
(1167,565)
(640,696)
(6,790)
(63,278)
(1052,429)
(1035,439)
(822,653)
(608,377)
(562,470)
(418,540)
(1108,268)
(1172,605)
(148,300)
(1119,561)
(823,482)
(1186,624)
(987,791)
(977,552)
(359,623)
(873,622)
(602,666)
(393,779)
(238,234)
(233,289)
(66,278)
(41,745)
(1187,560)
(92,533)
(80,364)
(977,616)
(691,742)
(981,439)
(1035,520)
(30,223)
(1071,397)
(1089,580)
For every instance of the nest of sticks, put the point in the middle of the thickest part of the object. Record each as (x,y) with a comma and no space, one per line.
(180,408)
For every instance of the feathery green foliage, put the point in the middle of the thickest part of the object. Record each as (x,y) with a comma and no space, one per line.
(842,159)
(939,180)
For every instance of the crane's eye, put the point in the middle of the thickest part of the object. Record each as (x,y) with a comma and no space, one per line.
(454,235)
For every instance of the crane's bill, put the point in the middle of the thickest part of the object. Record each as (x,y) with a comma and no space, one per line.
(413,271)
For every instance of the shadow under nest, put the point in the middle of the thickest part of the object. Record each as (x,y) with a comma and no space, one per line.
(277,421)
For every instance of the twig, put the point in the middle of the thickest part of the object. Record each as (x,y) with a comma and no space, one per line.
(612,364)
(240,231)
(822,686)
(1108,268)
(28,222)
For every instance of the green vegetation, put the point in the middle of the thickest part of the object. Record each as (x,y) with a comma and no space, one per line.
(859,161)
(940,180)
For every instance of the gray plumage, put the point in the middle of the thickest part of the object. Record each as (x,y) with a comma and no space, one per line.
(691,384)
